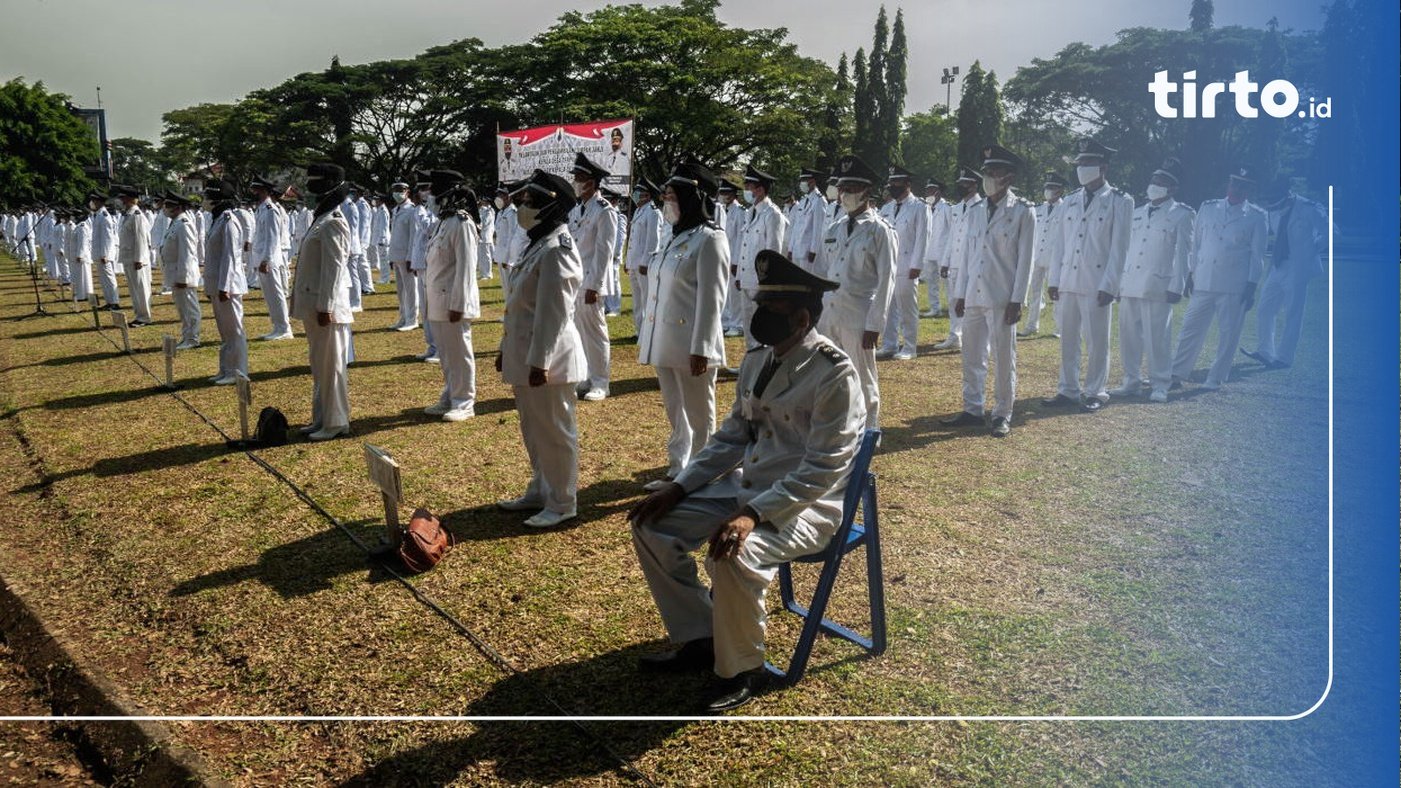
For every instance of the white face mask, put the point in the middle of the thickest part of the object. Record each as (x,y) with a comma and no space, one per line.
(1156,192)
(1050,194)
(804,187)
(1087,175)
(579,189)
(671,212)
(500,203)
(852,201)
(527,217)
(748,197)
(832,192)
(991,184)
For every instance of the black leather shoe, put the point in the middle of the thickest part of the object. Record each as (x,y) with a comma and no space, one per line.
(1060,401)
(1276,364)
(1256,355)
(963,419)
(738,691)
(1093,405)
(1001,427)
(695,655)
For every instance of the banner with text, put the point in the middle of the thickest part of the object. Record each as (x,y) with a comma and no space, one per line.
(606,143)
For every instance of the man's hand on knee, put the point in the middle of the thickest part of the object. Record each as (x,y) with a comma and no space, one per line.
(730,535)
(657,504)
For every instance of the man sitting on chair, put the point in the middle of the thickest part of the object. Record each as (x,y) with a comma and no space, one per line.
(767,488)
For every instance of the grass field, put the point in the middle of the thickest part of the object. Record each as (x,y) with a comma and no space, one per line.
(1149,559)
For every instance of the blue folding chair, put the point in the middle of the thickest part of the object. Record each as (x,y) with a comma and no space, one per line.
(851,534)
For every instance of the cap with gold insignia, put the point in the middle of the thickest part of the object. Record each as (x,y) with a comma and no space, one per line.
(586,168)
(645,184)
(852,170)
(1246,173)
(1055,180)
(1091,151)
(1171,168)
(995,154)
(816,176)
(550,188)
(696,175)
(898,173)
(259,182)
(727,186)
(122,190)
(444,181)
(968,174)
(753,174)
(935,183)
(780,278)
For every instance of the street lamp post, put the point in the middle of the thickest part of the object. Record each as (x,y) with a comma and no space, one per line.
(950,76)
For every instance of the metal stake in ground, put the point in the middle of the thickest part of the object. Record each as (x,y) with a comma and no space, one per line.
(245,401)
(384,472)
(168,345)
(39,310)
(92,303)
(119,320)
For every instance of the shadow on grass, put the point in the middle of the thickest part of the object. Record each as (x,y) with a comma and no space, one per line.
(296,569)
(595,502)
(550,752)
(154,460)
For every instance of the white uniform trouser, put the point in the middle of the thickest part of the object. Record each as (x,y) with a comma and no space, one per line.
(458,362)
(735,616)
(365,278)
(747,308)
(902,325)
(379,260)
(1145,326)
(1032,323)
(484,261)
(82,280)
(110,295)
(330,382)
(933,284)
(985,331)
(1082,318)
(428,339)
(1229,315)
(733,316)
(690,409)
(233,344)
(847,337)
(551,439)
(1288,292)
(187,305)
(275,294)
(373,257)
(138,282)
(955,322)
(613,302)
(639,298)
(356,300)
(407,286)
(593,335)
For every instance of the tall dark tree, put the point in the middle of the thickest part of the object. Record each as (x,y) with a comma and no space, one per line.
(979,114)
(871,145)
(863,104)
(43,146)
(835,135)
(1201,15)
(893,107)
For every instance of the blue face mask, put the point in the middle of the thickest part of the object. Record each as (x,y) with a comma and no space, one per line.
(748,197)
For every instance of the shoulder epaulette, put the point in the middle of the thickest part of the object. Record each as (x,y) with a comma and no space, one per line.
(566,241)
(831,353)
(756,349)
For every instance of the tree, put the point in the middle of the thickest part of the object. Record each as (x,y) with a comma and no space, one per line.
(929,141)
(871,146)
(893,107)
(139,163)
(836,132)
(863,104)
(1201,15)
(43,146)
(979,115)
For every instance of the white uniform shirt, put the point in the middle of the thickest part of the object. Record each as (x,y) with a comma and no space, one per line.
(910,218)
(267,235)
(593,225)
(1159,247)
(860,257)
(180,252)
(685,296)
(764,228)
(1228,247)
(223,271)
(996,268)
(1094,242)
(451,282)
(322,283)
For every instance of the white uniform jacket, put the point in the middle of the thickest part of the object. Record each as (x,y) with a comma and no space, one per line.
(593,225)
(996,268)
(793,444)
(134,238)
(765,227)
(1094,242)
(267,236)
(322,283)
(1158,251)
(538,327)
(223,271)
(452,268)
(1228,247)
(861,259)
(180,253)
(910,219)
(685,297)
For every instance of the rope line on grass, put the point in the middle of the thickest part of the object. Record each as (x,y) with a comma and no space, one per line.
(485,649)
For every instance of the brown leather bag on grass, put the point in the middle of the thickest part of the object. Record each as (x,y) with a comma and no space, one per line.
(425,541)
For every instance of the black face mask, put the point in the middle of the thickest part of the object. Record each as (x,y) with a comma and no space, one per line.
(770,328)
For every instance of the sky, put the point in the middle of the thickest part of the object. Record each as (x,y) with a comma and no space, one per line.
(152,56)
